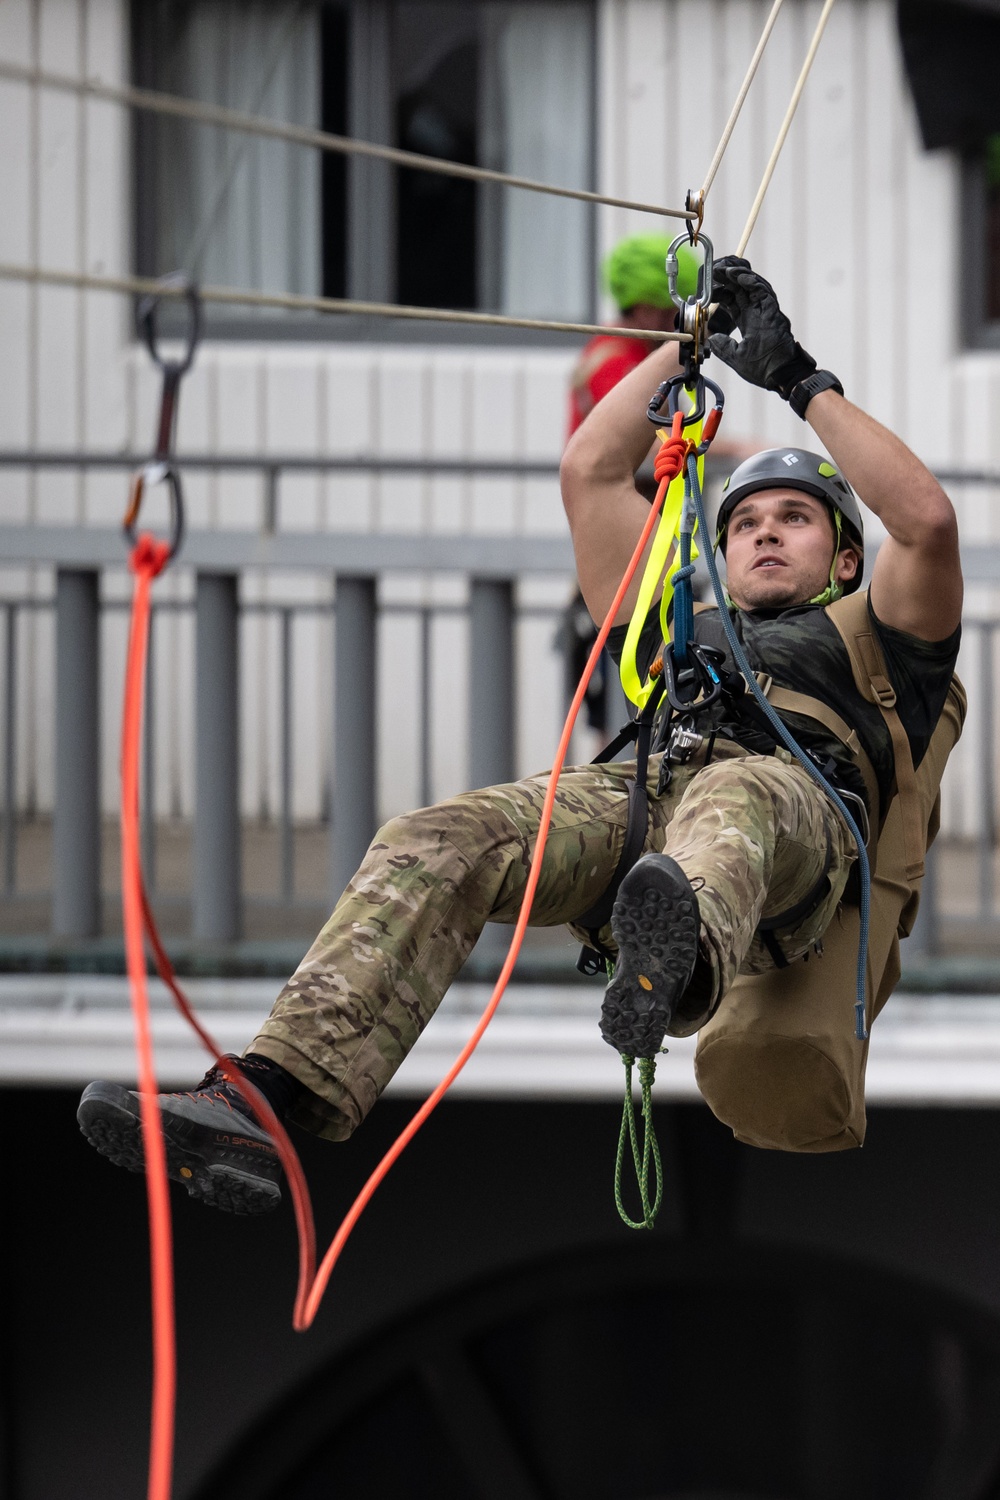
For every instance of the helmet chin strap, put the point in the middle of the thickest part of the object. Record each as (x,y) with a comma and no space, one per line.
(833,590)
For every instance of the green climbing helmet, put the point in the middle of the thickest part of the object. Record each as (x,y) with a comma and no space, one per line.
(798,469)
(635,271)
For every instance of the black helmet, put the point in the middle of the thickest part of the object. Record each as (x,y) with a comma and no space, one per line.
(796,469)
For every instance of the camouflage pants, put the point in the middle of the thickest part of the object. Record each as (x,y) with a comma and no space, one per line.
(752,832)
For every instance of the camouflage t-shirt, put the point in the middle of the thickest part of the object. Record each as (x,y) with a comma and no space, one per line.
(801,649)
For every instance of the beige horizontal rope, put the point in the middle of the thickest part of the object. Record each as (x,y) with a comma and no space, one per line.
(785,126)
(292,302)
(201,113)
(751,73)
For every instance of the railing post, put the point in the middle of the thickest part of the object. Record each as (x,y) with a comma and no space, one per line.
(10,754)
(287,710)
(353,818)
(491,682)
(216,888)
(923,940)
(987,777)
(76,844)
(424,708)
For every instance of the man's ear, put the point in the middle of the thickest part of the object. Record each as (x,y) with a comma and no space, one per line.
(848,563)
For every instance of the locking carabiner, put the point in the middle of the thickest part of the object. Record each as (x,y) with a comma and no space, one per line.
(700,675)
(692,311)
(669,391)
(157,472)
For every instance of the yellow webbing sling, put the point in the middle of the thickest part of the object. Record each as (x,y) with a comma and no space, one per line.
(665,542)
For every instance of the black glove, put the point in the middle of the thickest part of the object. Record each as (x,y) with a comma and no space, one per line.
(767,354)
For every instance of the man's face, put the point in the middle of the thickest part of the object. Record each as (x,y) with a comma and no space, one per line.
(779,545)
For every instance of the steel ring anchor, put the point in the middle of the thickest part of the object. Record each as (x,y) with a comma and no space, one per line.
(158,472)
(174,287)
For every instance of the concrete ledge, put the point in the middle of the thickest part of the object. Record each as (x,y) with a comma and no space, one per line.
(543,1043)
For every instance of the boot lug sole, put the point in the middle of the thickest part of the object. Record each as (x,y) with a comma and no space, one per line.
(227,1182)
(656,926)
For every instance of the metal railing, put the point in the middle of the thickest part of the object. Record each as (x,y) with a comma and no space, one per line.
(356,562)
(353,617)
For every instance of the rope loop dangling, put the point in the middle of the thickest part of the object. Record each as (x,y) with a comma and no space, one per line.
(649,1155)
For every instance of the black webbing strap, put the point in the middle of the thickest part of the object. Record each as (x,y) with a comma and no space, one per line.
(593,958)
(622,738)
(768,926)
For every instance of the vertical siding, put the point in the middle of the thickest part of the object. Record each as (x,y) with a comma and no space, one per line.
(857,231)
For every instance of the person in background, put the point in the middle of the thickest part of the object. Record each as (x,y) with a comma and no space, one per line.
(635,275)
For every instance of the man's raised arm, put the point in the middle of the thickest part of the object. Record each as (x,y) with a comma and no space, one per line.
(605,511)
(916,584)
(917,580)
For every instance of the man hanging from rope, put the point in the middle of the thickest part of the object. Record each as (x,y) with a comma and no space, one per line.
(737,835)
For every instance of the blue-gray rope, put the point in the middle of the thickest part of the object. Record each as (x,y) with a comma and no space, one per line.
(791,744)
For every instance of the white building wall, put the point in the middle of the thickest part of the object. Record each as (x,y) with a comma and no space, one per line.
(858,233)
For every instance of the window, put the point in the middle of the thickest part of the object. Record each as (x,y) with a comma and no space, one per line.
(991,247)
(950,49)
(500,83)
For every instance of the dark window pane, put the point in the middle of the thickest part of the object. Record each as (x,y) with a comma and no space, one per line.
(992,277)
(334,38)
(436,50)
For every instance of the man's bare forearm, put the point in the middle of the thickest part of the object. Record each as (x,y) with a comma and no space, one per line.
(916,584)
(889,478)
(606,513)
(615,438)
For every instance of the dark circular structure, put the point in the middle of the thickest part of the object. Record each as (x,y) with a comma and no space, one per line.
(657,1370)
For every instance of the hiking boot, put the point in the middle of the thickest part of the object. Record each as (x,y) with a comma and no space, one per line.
(215,1148)
(656,926)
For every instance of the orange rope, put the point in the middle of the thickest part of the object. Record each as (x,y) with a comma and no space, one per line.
(147,560)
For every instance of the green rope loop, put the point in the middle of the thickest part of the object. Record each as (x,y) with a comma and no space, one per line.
(650,1152)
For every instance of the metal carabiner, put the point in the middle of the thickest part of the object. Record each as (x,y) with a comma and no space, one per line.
(693,311)
(173,286)
(157,472)
(701,674)
(669,391)
(701,298)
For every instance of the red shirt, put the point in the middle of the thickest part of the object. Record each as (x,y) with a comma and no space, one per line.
(608,358)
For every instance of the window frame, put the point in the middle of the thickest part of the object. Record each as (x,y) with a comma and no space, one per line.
(978,331)
(370,216)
